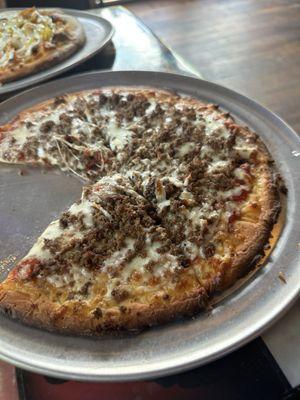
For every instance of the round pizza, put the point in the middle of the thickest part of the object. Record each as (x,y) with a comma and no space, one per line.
(32,40)
(179,202)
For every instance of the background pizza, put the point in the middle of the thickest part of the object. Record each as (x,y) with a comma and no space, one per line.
(32,40)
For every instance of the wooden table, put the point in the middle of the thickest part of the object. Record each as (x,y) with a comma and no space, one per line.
(250,46)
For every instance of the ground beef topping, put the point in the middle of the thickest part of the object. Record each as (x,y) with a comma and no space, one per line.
(169,174)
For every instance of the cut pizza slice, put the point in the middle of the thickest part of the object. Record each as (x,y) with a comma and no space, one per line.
(59,133)
(104,265)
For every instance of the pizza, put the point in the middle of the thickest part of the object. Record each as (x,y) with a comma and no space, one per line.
(32,40)
(179,202)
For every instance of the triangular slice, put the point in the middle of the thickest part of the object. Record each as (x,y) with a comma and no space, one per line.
(104,265)
(65,132)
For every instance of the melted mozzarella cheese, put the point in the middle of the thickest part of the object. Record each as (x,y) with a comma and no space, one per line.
(216,165)
(84,207)
(240,173)
(119,256)
(151,108)
(214,126)
(118,137)
(76,276)
(236,191)
(38,251)
(245,151)
(186,148)
(206,151)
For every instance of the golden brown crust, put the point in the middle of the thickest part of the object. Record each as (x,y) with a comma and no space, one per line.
(76,318)
(246,240)
(49,57)
(254,237)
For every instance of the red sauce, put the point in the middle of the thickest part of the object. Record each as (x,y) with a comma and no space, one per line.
(241,197)
(21,156)
(245,167)
(233,217)
(30,266)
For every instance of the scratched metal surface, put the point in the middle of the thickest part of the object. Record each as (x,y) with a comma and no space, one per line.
(29,202)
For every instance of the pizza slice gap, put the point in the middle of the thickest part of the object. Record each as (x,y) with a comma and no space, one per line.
(29,201)
(104,265)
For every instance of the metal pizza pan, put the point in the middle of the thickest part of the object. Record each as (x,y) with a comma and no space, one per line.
(29,202)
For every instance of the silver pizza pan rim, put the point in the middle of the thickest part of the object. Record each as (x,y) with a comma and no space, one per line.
(68,63)
(164,370)
(186,360)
